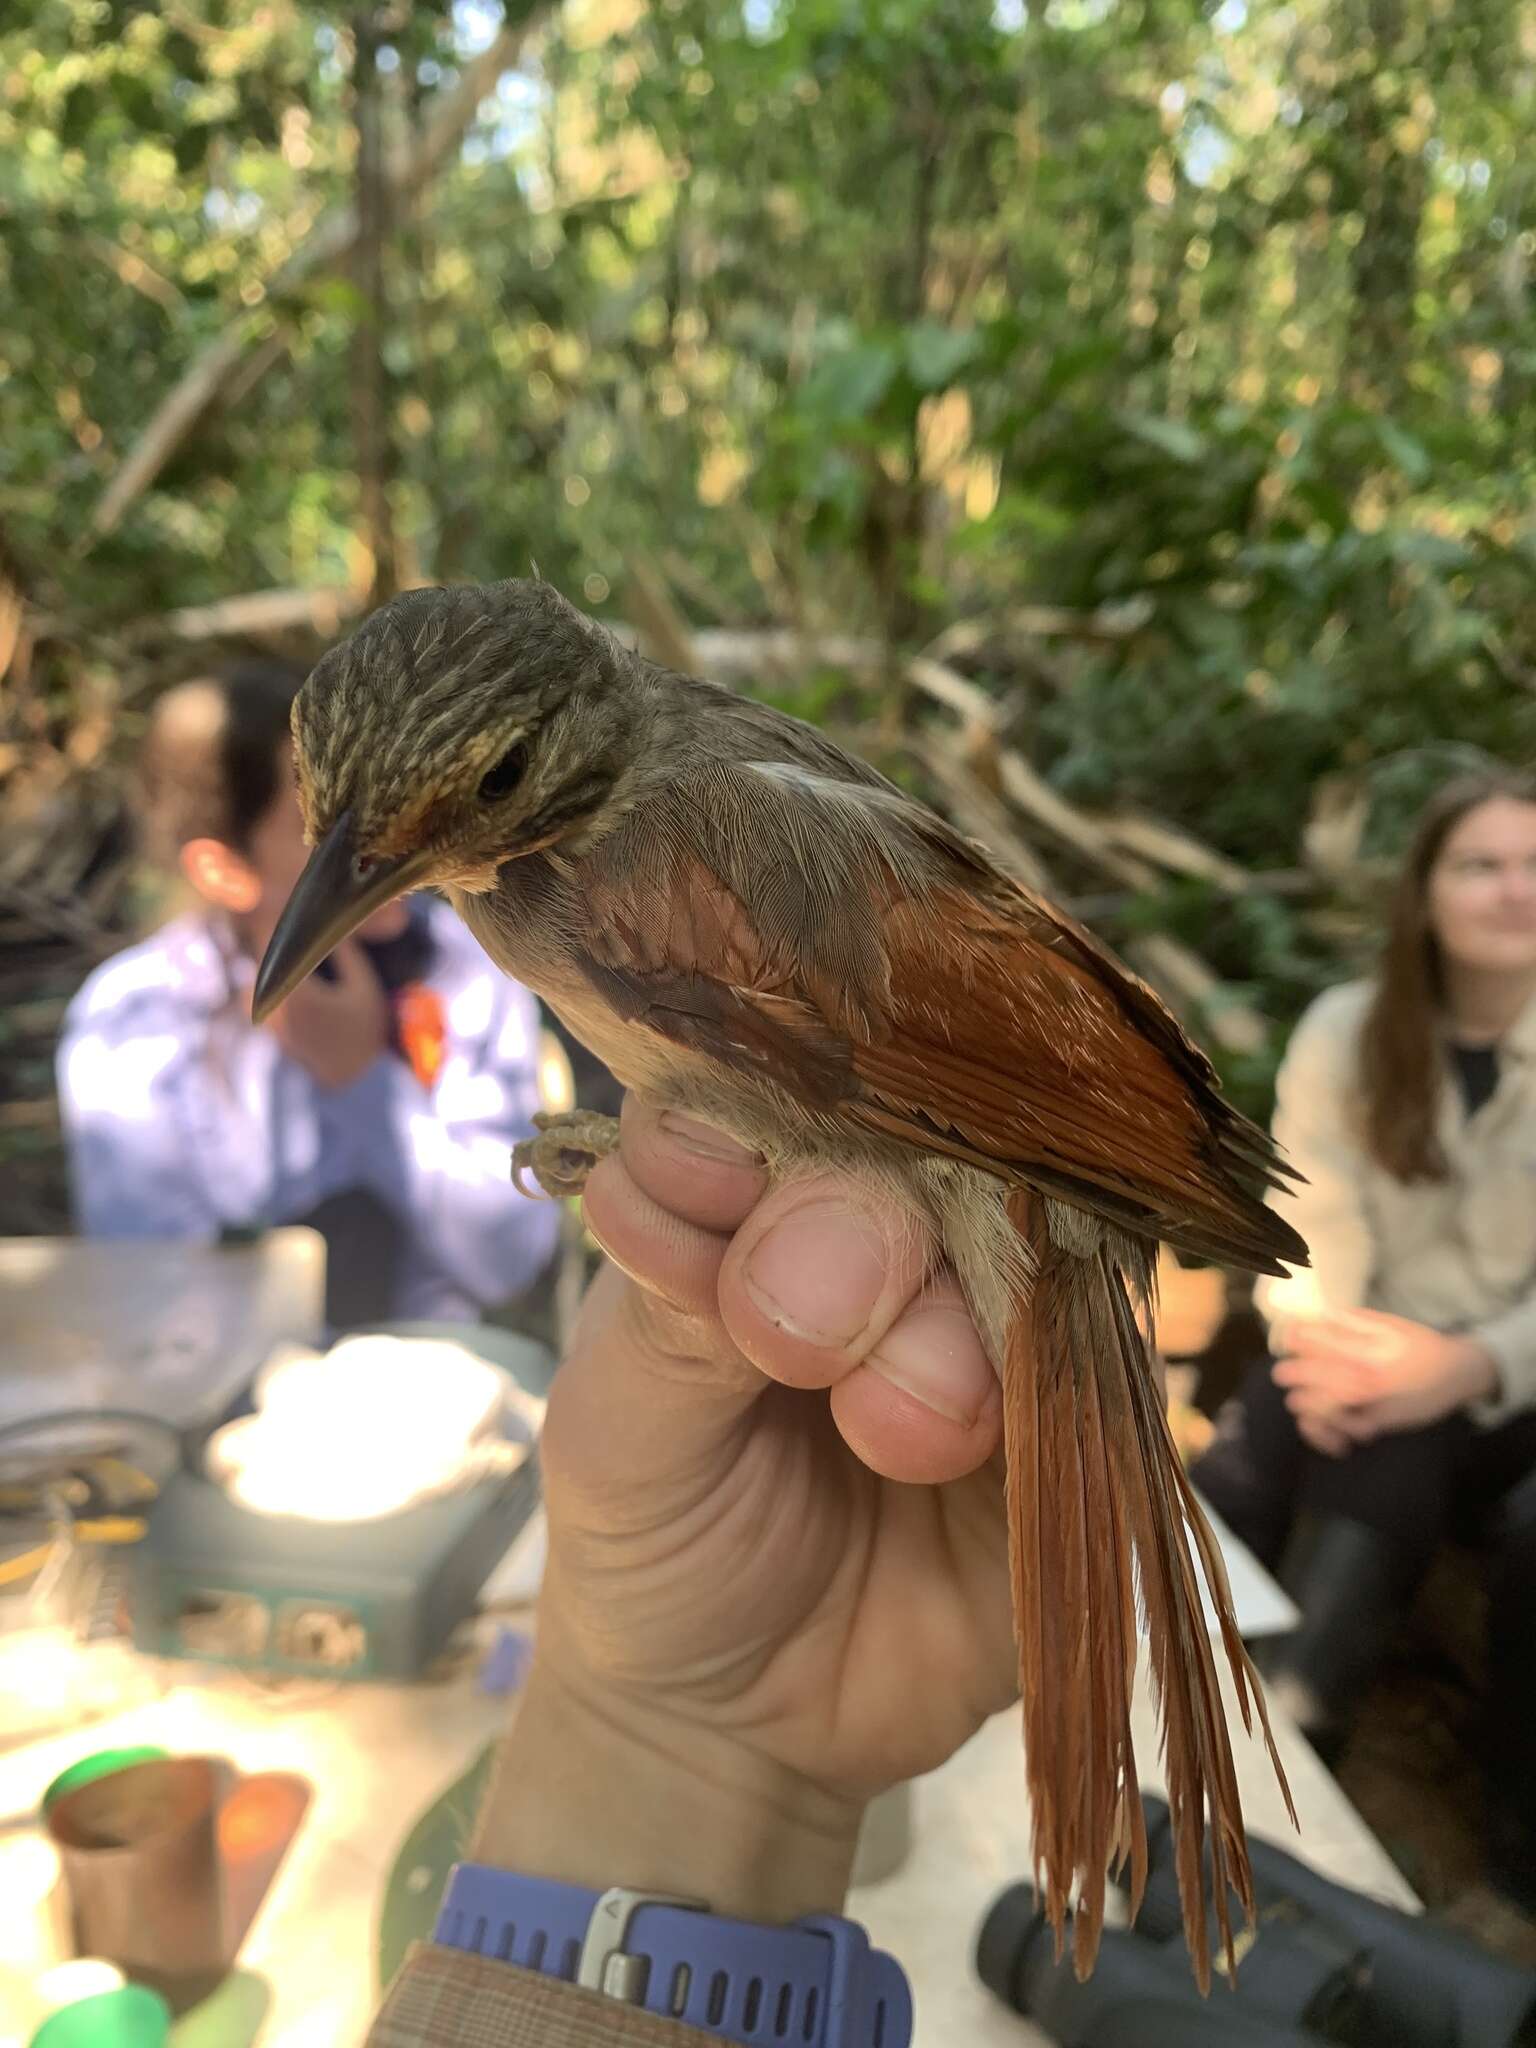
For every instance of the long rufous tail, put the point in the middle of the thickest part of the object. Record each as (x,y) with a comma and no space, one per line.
(1094,1480)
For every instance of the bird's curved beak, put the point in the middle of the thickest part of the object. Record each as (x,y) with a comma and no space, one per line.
(330,899)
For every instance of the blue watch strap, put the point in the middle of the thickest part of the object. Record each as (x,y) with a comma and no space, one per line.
(817,1983)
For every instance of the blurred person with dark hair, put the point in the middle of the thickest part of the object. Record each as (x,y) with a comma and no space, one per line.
(1400,1405)
(379,1104)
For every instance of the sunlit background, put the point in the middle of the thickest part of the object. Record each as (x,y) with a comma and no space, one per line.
(1117,418)
(1170,367)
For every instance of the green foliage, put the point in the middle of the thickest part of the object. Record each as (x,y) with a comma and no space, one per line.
(877,313)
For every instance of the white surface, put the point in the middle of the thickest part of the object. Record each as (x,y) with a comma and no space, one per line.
(378,1755)
(32,1925)
(1262,1607)
(405,1413)
(174,1330)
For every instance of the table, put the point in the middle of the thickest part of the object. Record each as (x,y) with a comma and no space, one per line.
(174,1331)
(377,1755)
(971,1838)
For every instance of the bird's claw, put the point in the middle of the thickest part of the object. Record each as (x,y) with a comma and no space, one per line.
(569,1144)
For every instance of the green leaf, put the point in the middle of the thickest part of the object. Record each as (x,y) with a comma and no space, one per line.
(1075,361)
(849,385)
(1410,456)
(336,295)
(1172,437)
(936,355)
(190,148)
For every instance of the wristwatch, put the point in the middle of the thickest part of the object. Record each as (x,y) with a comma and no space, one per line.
(816,1983)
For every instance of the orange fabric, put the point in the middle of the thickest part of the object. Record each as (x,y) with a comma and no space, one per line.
(423,1028)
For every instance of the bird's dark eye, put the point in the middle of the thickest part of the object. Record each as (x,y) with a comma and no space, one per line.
(506,775)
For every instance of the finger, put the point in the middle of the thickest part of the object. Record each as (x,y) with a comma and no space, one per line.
(645,1405)
(672,1259)
(660,1205)
(1316,1401)
(925,1406)
(1322,1436)
(689,1167)
(1318,1336)
(1340,1380)
(817,1276)
(652,1383)
(1361,1424)
(1350,1334)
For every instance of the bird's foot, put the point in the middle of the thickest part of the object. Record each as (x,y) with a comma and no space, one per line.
(567,1148)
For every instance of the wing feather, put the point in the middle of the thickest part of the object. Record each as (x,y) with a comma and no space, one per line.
(884,969)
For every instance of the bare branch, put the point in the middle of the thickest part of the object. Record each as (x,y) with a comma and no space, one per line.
(1188,981)
(174,419)
(1022,784)
(1170,848)
(12,613)
(370,376)
(261,611)
(664,634)
(1195,989)
(729,656)
(977,811)
(134,272)
(1122,845)
(1108,625)
(328,241)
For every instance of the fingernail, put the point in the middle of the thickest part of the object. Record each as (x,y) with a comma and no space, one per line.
(934,1355)
(819,1273)
(706,1140)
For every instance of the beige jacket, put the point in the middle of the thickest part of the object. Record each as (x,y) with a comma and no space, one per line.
(1458,1254)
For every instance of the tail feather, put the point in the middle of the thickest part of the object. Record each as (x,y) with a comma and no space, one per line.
(1093,1480)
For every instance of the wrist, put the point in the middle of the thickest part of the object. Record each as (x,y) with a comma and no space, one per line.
(1478,1371)
(595,1788)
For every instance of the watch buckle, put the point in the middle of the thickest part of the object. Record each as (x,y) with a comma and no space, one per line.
(605,1966)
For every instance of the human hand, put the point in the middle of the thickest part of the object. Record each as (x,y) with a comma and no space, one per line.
(335,1029)
(1358,1374)
(778,1564)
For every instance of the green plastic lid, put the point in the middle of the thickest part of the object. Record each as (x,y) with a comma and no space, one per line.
(100,1765)
(130,2017)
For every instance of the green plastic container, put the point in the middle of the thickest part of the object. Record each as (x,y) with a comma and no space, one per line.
(129,2017)
(100,1765)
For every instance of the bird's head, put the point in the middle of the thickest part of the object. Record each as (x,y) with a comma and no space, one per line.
(454,731)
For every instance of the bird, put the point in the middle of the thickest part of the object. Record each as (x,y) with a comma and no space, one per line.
(746,922)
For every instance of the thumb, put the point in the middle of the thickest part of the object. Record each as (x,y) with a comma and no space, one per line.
(817,1284)
(652,1386)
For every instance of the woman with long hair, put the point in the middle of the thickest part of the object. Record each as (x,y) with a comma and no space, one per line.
(1399,1406)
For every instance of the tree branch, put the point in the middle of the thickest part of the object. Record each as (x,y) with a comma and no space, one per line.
(323,612)
(370,379)
(1108,626)
(331,239)
(134,272)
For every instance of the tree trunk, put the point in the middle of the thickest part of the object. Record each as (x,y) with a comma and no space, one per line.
(1385,76)
(370,376)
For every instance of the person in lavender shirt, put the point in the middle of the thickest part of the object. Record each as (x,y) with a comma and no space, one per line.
(379,1104)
